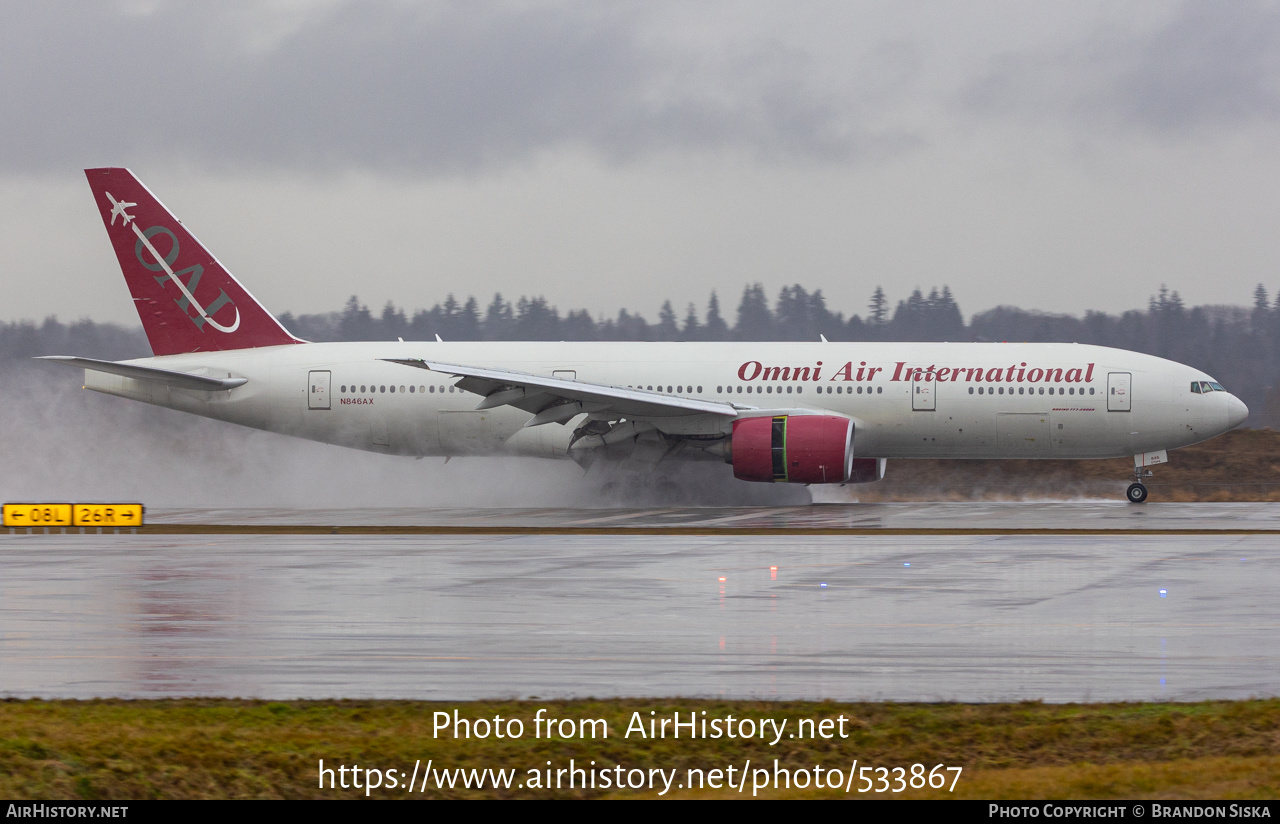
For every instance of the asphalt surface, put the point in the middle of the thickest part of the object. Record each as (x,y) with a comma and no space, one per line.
(888,617)
(1096,516)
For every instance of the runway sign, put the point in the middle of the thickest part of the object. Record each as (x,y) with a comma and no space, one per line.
(113,515)
(37,514)
(46,515)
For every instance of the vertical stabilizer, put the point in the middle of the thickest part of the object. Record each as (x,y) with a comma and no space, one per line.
(187,301)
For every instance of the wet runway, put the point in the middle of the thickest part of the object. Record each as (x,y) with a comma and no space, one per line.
(1105,515)
(903,617)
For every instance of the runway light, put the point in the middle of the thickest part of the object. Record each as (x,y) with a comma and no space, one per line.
(906,564)
(824,586)
(722,579)
(1164,592)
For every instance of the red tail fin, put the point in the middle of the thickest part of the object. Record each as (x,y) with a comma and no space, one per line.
(187,301)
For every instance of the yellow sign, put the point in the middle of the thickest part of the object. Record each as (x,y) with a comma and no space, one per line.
(37,514)
(112,515)
(46,515)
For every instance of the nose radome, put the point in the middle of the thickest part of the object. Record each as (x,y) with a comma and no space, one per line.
(1236,411)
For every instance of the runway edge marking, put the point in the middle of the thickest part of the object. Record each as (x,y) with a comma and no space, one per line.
(316,529)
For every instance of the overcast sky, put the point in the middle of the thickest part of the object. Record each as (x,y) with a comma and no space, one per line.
(1058,156)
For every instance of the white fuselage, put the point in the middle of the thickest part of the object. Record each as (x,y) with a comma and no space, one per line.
(918,400)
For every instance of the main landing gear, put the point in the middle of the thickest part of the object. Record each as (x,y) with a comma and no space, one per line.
(1137,491)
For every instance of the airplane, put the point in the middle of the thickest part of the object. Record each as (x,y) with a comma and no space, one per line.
(798,413)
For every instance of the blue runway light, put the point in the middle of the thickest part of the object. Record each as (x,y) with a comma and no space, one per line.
(824,586)
(907,564)
(1164,592)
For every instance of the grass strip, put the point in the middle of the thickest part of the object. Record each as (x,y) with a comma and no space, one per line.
(197,748)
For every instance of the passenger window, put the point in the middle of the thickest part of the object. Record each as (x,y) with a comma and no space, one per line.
(879,390)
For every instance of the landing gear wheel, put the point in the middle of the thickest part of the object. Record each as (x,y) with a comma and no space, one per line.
(1136,493)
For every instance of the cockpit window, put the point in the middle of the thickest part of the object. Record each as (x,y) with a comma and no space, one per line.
(1217,387)
(1206,387)
(1195,387)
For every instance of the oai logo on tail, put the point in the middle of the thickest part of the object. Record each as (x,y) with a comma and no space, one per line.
(164,263)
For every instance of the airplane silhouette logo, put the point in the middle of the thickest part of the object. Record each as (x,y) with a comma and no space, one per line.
(118,210)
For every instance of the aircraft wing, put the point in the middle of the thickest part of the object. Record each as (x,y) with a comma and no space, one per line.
(181,380)
(555,400)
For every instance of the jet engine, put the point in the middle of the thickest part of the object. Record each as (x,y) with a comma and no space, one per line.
(799,449)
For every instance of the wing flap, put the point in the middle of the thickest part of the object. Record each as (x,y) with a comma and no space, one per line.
(536,393)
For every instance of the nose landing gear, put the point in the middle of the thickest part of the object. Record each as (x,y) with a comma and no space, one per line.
(1137,491)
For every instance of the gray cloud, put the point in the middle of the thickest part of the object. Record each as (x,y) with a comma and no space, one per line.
(444,87)
(1212,65)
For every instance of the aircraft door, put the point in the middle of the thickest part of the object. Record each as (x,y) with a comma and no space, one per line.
(923,393)
(318,389)
(1023,433)
(1118,391)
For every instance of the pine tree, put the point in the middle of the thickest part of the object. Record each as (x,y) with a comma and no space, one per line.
(356,322)
(755,321)
(498,319)
(878,309)
(692,329)
(667,328)
(715,328)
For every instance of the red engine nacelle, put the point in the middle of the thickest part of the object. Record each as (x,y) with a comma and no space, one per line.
(799,449)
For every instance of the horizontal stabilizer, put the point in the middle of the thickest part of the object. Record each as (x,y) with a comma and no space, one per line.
(181,380)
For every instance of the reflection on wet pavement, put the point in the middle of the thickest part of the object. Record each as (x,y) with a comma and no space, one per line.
(934,617)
